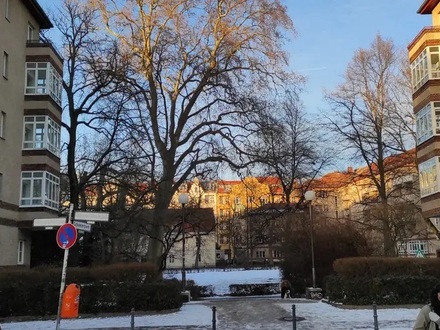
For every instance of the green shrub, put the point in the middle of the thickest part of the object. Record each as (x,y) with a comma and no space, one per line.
(112,288)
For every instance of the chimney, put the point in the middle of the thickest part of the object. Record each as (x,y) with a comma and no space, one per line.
(350,169)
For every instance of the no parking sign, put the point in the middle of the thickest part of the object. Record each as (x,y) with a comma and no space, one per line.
(66,236)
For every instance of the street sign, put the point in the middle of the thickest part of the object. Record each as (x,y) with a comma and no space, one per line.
(49,222)
(66,236)
(91,216)
(419,254)
(82,226)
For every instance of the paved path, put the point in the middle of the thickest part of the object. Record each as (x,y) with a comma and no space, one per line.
(253,313)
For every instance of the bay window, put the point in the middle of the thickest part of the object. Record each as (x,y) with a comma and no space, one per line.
(426,66)
(429,183)
(428,122)
(39,188)
(42,78)
(41,132)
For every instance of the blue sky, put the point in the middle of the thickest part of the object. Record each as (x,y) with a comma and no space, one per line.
(330,31)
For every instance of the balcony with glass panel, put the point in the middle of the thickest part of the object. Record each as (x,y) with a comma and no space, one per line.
(425,67)
(43,79)
(43,69)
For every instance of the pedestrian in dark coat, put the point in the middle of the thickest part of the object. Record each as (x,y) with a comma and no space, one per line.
(285,288)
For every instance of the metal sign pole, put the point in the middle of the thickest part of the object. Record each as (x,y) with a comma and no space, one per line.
(63,273)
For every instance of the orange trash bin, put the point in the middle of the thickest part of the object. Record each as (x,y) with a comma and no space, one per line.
(70,302)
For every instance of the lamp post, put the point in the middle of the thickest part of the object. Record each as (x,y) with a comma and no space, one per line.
(183,199)
(310,196)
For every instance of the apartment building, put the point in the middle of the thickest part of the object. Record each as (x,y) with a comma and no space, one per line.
(424,56)
(30,125)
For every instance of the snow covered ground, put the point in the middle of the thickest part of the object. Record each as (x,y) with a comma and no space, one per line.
(220,280)
(317,315)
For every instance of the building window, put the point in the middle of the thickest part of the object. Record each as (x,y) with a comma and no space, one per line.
(41,132)
(224,200)
(428,177)
(261,254)
(424,123)
(30,32)
(237,200)
(426,66)
(20,257)
(5,64)
(417,246)
(6,8)
(419,70)
(42,78)
(39,189)
(171,258)
(276,254)
(2,124)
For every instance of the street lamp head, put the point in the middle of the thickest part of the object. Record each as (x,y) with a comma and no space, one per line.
(309,195)
(183,198)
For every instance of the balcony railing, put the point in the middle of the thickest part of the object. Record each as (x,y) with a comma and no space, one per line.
(44,42)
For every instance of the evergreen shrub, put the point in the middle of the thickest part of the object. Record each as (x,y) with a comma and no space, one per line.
(112,288)
(385,281)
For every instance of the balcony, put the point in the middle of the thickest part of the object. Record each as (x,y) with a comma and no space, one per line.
(427,33)
(44,49)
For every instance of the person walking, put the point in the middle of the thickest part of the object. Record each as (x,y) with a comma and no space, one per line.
(429,315)
(285,289)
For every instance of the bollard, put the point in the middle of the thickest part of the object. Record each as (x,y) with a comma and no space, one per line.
(376,324)
(214,318)
(132,319)
(294,316)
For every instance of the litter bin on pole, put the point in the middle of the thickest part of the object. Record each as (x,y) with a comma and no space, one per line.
(70,302)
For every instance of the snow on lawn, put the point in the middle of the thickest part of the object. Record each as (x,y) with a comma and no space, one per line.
(220,280)
(324,316)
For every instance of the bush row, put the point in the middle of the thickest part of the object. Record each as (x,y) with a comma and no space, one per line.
(384,290)
(116,288)
(254,289)
(385,281)
(382,266)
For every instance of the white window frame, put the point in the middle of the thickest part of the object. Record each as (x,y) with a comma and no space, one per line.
(5,65)
(425,67)
(428,122)
(30,32)
(428,177)
(413,246)
(43,133)
(2,124)
(39,189)
(42,79)
(20,252)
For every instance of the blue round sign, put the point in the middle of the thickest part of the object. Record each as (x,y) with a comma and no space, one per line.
(66,236)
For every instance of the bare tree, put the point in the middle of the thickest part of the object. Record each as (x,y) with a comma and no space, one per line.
(288,145)
(194,65)
(93,101)
(371,118)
